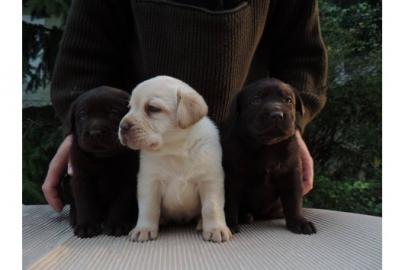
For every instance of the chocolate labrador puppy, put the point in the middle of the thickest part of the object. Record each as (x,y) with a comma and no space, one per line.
(104,172)
(261,158)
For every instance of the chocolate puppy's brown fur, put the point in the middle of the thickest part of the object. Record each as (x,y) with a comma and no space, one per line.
(261,156)
(104,172)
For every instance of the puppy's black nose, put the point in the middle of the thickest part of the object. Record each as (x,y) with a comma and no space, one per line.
(125,126)
(95,132)
(277,115)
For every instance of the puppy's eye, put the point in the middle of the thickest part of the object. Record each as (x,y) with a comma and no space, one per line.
(257,100)
(288,100)
(152,109)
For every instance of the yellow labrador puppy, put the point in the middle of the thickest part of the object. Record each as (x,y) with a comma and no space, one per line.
(181,175)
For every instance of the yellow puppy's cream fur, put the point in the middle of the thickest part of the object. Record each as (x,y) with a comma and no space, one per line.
(181,175)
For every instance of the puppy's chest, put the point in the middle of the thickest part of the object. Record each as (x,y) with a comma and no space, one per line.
(263,172)
(179,189)
(262,182)
(180,199)
(111,176)
(178,168)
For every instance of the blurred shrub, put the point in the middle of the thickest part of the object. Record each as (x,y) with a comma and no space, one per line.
(358,196)
(41,137)
(345,139)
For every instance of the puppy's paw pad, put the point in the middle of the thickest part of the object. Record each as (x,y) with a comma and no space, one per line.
(218,234)
(86,230)
(143,234)
(301,226)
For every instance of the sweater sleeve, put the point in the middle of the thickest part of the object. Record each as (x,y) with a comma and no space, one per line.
(297,53)
(92,50)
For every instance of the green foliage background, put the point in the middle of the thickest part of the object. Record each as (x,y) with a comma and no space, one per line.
(345,139)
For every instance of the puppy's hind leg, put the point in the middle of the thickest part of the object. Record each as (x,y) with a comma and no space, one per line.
(232,211)
(233,202)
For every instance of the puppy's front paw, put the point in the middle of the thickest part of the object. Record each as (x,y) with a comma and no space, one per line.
(118,229)
(301,226)
(142,234)
(217,234)
(87,230)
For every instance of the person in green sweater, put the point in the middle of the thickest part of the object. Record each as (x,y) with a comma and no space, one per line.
(216,46)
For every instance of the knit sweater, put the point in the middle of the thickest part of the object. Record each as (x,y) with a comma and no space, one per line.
(217,52)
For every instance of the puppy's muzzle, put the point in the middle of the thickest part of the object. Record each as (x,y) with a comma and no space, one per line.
(278,115)
(96,133)
(272,116)
(125,127)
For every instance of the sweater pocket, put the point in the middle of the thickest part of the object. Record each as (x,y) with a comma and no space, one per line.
(210,50)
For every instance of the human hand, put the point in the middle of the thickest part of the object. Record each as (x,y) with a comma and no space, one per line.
(57,168)
(307,164)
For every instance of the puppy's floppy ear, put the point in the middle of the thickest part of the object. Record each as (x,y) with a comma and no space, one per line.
(69,124)
(191,107)
(299,104)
